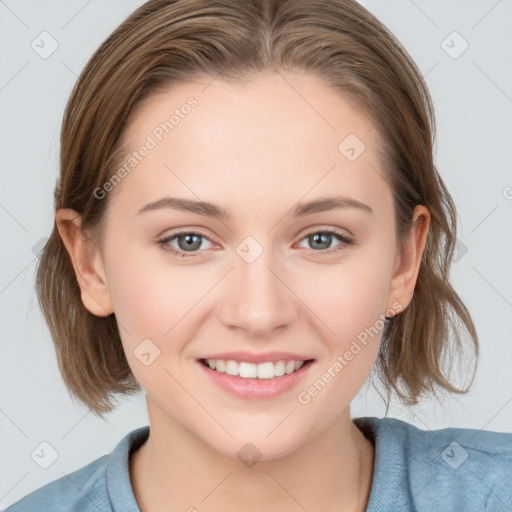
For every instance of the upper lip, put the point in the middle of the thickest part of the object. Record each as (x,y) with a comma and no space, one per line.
(263,357)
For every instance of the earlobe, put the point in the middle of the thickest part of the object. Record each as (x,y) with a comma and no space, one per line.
(87,263)
(406,274)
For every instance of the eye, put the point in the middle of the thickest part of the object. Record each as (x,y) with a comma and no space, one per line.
(188,242)
(322,240)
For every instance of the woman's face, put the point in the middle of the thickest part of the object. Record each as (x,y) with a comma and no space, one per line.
(263,278)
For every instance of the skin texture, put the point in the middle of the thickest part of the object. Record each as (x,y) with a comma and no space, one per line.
(256,150)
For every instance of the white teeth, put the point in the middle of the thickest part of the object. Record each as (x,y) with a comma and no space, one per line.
(247,370)
(265,371)
(252,371)
(280,369)
(231,368)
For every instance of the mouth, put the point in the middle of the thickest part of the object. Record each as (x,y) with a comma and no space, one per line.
(255,381)
(246,370)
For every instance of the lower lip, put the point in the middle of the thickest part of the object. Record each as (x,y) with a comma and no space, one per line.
(258,389)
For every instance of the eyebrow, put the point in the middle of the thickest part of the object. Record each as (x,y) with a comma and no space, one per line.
(211,210)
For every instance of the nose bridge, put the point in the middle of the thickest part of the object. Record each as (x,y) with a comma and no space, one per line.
(258,300)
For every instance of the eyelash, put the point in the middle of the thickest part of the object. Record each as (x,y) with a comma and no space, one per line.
(345,241)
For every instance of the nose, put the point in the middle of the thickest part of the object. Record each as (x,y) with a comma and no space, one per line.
(256,298)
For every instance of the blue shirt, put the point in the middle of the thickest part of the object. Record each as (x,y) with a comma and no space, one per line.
(446,470)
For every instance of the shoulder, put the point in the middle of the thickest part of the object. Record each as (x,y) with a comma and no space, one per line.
(452,468)
(83,489)
(103,484)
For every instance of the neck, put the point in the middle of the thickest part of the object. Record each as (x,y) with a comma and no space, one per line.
(174,470)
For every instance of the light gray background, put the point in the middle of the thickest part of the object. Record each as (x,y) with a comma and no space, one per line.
(473,99)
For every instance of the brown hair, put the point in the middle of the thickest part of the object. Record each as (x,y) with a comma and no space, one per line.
(165,42)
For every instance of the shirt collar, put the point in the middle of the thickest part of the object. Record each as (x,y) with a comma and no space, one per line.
(119,487)
(390,487)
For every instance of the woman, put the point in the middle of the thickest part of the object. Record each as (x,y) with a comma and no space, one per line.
(248,221)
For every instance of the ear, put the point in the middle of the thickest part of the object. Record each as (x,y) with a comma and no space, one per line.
(407,264)
(87,262)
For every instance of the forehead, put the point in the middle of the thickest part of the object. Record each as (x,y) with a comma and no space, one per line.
(275,136)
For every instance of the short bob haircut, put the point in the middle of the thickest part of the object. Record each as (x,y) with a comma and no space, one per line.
(166,42)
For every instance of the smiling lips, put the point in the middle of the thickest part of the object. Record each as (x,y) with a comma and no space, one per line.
(256,376)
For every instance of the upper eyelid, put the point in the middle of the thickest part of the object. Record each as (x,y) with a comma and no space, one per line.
(336,231)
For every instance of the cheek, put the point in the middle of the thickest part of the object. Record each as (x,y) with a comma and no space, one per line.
(148,310)
(149,293)
(346,297)
(147,301)
(347,301)
(140,300)
(161,302)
